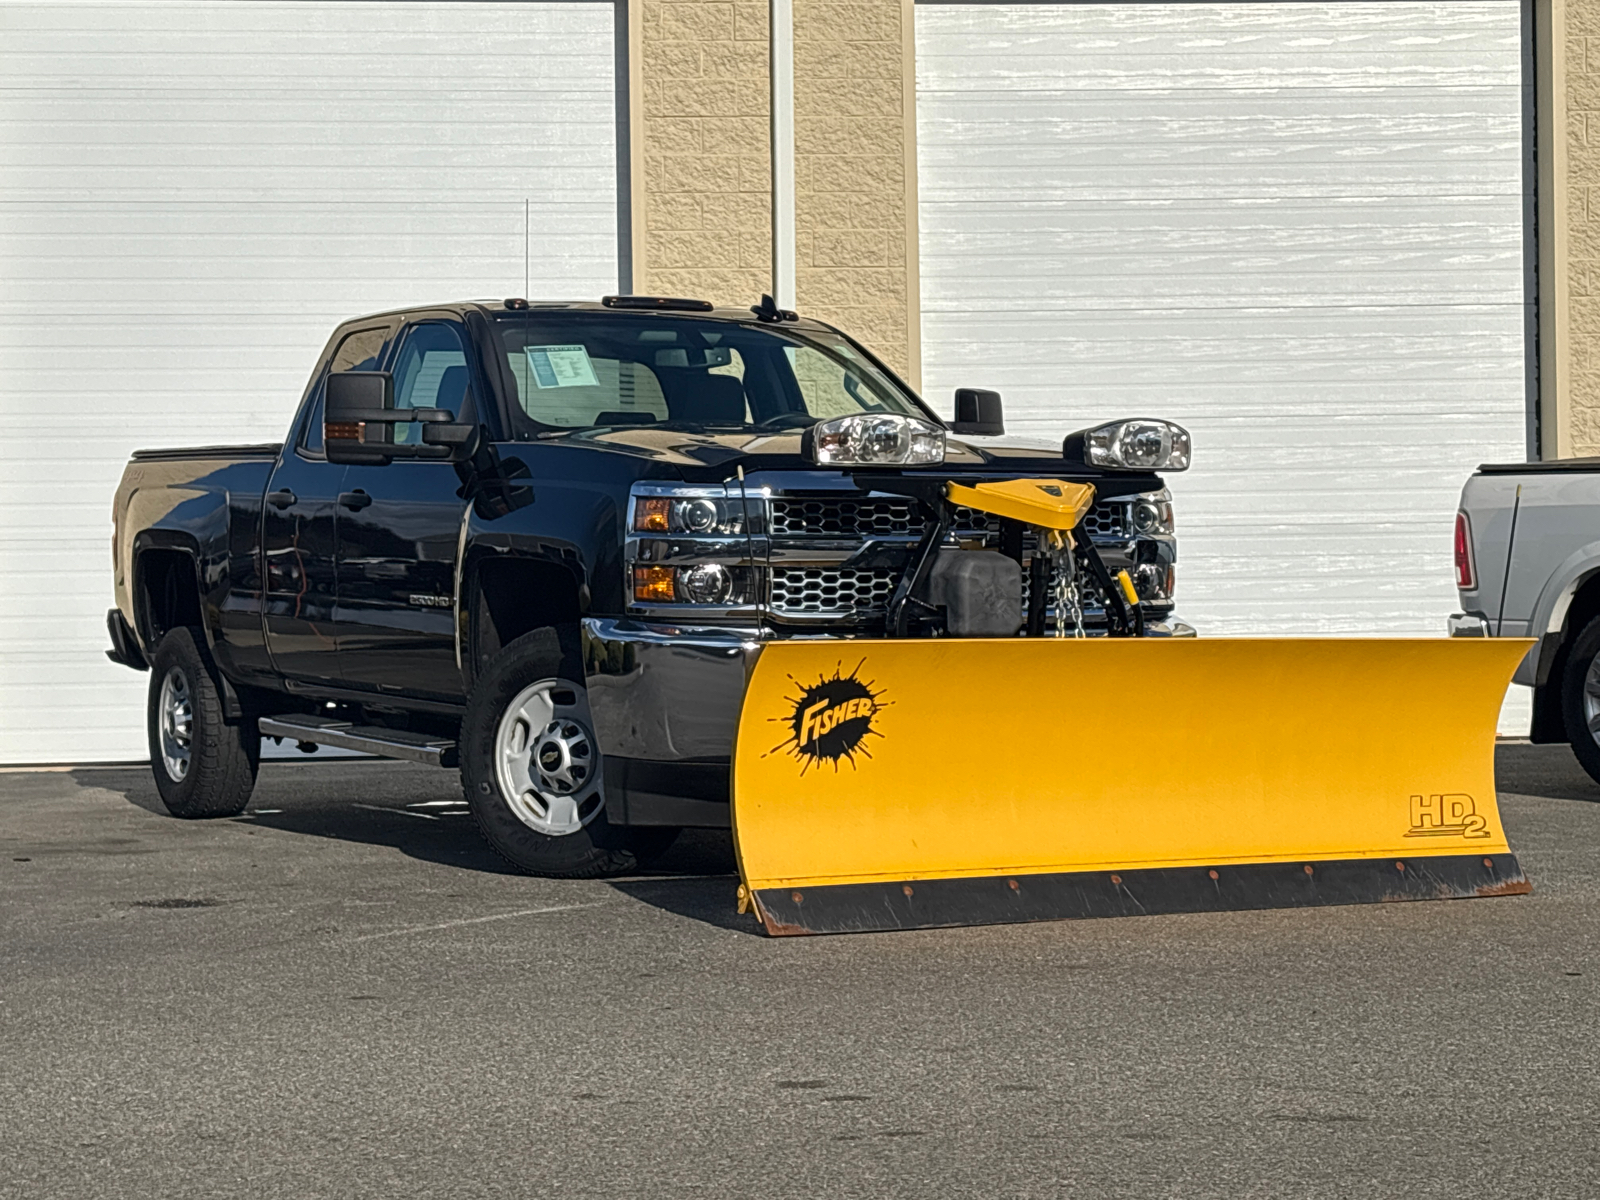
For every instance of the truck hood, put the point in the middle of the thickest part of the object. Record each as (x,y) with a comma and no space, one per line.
(712,455)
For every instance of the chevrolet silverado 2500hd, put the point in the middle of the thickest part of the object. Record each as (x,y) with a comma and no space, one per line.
(543,542)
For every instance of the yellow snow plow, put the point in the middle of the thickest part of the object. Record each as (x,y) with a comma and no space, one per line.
(917,782)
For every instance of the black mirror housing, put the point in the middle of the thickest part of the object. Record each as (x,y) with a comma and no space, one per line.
(359,416)
(354,407)
(978,412)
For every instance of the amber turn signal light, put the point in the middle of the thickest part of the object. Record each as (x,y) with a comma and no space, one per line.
(652,514)
(654,585)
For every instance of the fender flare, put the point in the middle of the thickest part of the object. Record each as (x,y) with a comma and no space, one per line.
(1555,598)
(166,541)
(502,547)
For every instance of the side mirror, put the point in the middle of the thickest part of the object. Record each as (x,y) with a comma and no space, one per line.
(359,416)
(978,412)
(354,406)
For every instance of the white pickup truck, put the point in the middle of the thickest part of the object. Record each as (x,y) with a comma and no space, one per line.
(1527,547)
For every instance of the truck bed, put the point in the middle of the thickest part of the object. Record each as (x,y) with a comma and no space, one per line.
(1555,466)
(264,450)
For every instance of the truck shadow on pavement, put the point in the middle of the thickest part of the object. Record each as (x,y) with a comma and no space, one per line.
(419,812)
(1552,771)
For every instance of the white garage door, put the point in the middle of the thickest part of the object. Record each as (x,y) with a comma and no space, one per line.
(191,196)
(1295,228)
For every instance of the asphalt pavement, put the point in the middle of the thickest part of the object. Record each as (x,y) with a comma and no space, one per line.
(342,993)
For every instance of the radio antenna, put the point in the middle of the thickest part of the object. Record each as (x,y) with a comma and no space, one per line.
(749,544)
(525,243)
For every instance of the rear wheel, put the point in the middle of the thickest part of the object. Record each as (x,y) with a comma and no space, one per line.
(531,766)
(203,766)
(1580,698)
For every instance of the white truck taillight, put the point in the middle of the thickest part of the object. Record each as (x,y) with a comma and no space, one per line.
(1466,576)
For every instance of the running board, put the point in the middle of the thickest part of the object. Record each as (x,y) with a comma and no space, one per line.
(370,739)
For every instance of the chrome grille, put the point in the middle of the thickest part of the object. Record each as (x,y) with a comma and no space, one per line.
(1108,522)
(849,516)
(838,516)
(825,591)
(970,520)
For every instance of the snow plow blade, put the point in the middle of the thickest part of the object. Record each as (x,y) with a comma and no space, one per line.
(912,784)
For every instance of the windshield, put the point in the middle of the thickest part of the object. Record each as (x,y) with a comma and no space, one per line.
(579,370)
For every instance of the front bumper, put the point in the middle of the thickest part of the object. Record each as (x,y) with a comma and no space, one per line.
(672,693)
(663,692)
(665,701)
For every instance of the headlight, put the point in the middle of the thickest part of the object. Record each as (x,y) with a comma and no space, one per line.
(692,514)
(1153,581)
(709,583)
(1140,445)
(691,545)
(704,583)
(1151,513)
(876,439)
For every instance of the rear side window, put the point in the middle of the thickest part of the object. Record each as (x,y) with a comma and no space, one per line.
(360,350)
(430,372)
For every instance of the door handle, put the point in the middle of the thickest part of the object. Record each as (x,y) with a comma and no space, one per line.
(355,501)
(281,499)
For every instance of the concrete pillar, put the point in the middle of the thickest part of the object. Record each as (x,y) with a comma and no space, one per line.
(700,125)
(702,202)
(855,173)
(1569,259)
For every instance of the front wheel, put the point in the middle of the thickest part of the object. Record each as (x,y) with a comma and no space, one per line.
(531,767)
(203,766)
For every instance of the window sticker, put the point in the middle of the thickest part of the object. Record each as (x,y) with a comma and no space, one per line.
(560,366)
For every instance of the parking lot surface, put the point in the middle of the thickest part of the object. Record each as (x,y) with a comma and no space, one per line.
(342,993)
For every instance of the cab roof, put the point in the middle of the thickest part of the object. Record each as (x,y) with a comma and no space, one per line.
(622,306)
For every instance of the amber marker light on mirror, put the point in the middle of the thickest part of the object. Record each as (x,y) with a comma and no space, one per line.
(654,585)
(652,514)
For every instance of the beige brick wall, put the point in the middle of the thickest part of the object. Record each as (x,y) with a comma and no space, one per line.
(855,200)
(703,221)
(1582,352)
(702,196)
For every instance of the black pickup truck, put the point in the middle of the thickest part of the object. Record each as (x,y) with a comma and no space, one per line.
(544,541)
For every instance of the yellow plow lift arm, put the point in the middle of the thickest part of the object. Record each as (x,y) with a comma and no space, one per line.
(1049,503)
(916,783)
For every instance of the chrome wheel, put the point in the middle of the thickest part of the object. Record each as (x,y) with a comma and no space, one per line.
(177,724)
(546,761)
(1591,698)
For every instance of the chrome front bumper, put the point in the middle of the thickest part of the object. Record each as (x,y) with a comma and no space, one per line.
(665,701)
(666,693)
(672,693)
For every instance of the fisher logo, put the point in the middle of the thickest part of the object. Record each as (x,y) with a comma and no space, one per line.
(1452,814)
(832,719)
(422,600)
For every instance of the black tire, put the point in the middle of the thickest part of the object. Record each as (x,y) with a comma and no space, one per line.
(598,848)
(219,773)
(1573,680)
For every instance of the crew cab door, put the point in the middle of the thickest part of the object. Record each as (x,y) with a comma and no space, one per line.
(399,524)
(298,533)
